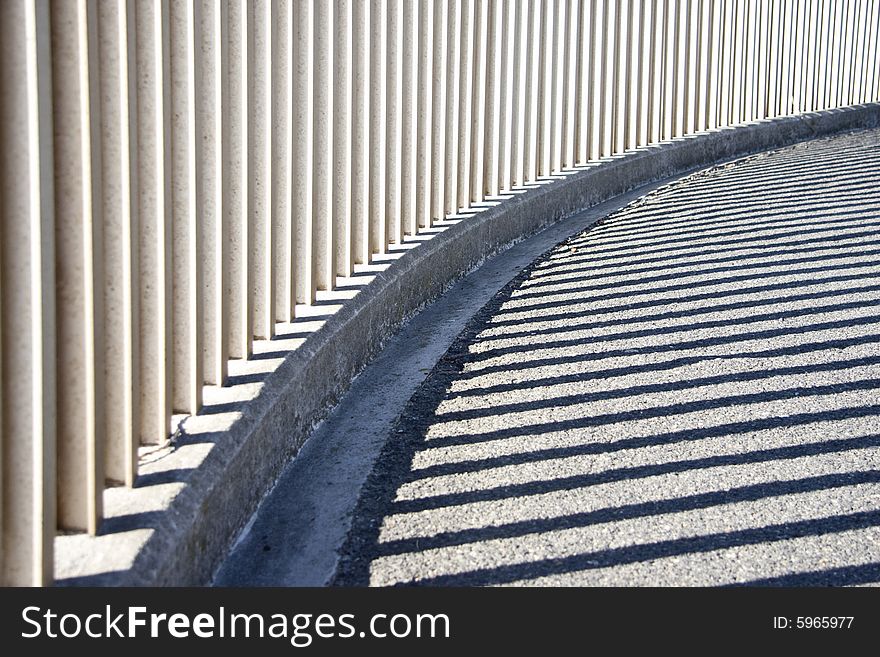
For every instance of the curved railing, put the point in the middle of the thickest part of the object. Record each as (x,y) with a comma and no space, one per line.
(181,177)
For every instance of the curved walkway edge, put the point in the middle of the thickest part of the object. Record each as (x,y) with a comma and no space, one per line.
(180,532)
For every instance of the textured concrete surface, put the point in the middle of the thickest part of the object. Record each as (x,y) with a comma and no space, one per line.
(295,538)
(686,393)
(177,524)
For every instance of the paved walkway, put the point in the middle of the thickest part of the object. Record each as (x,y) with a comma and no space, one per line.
(686,394)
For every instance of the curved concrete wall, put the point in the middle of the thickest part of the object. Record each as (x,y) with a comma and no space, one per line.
(178,523)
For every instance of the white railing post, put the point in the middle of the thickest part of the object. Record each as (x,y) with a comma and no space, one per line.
(394,122)
(425,50)
(212,129)
(238,171)
(439,68)
(27,304)
(283,174)
(409,123)
(79,262)
(453,76)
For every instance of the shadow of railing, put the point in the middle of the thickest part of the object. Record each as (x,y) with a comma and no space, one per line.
(648,403)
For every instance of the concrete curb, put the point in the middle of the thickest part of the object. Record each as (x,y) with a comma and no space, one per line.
(209,500)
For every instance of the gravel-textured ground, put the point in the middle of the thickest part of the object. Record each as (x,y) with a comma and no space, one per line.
(686,394)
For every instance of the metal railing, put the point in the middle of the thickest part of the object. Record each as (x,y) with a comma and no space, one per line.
(177,175)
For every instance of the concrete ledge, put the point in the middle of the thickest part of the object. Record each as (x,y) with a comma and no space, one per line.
(177,524)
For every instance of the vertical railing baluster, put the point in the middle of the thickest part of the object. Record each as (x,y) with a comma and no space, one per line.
(211,71)
(361,156)
(424,112)
(465,116)
(283,148)
(154,219)
(531,77)
(841,50)
(639,118)
(516,59)
(782,63)
(730,68)
(453,76)
(505,93)
(774,59)
(701,83)
(392,193)
(676,68)
(810,64)
(687,73)
(821,71)
(574,75)
(376,232)
(864,62)
(653,133)
(340,96)
(478,103)
(617,75)
(873,81)
(186,303)
(753,12)
(489,134)
(581,61)
(437,203)
(834,35)
(304,155)
(721,86)
(554,82)
(875,64)
(78,233)
(854,49)
(744,87)
(603,80)
(323,253)
(393,123)
(241,237)
(663,99)
(541,119)
(591,129)
(628,95)
(766,57)
(409,121)
(27,307)
(710,94)
(116,438)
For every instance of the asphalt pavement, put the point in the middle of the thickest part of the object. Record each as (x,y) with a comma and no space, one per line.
(687,393)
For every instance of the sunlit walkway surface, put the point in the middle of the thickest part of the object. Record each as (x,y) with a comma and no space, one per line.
(686,394)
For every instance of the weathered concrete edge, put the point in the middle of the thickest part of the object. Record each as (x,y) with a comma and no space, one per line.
(193,535)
